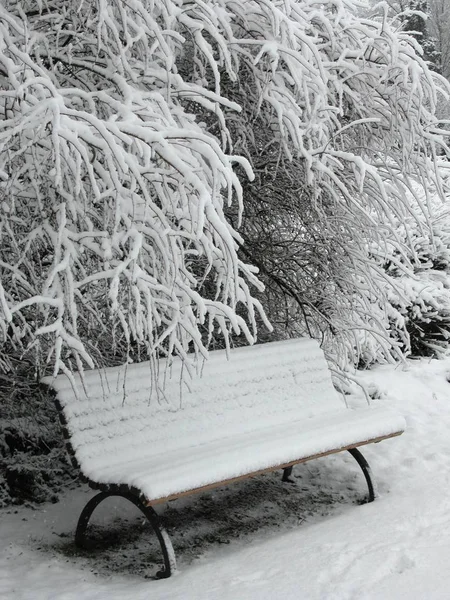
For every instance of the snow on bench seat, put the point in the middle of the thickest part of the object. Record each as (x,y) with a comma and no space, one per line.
(269,405)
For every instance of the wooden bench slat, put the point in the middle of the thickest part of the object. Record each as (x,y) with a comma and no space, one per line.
(258,387)
(280,467)
(178,470)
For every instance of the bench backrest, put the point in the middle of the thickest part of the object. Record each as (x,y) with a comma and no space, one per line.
(260,386)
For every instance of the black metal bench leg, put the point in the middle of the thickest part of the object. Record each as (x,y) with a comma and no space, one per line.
(287,472)
(362,462)
(149,512)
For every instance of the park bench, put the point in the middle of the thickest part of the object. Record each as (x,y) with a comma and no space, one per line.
(152,439)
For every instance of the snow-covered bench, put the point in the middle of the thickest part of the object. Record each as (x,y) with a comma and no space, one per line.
(269,407)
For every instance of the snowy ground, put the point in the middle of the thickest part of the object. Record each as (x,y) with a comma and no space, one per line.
(266,540)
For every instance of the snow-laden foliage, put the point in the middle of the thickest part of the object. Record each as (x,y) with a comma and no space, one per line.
(430,20)
(419,301)
(369,160)
(124,127)
(112,195)
(407,312)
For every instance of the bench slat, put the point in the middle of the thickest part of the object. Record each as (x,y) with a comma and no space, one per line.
(178,471)
(280,467)
(258,387)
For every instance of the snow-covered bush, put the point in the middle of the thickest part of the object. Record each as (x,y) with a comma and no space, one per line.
(111,209)
(129,129)
(34,465)
(420,299)
(410,304)
(309,225)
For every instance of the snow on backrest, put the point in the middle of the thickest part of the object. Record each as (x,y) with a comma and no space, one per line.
(259,386)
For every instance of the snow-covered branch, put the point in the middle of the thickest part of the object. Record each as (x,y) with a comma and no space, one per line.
(129,133)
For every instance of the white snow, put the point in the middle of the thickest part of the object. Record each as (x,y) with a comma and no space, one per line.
(395,548)
(267,405)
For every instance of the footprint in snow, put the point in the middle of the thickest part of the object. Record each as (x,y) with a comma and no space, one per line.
(403,563)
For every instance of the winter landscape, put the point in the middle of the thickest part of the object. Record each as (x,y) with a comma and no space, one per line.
(263,539)
(225,248)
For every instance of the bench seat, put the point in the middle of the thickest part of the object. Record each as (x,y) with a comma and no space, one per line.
(173,473)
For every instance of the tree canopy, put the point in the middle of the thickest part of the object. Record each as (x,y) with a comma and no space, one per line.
(129,138)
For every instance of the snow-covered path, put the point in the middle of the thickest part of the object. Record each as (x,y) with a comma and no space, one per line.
(398,547)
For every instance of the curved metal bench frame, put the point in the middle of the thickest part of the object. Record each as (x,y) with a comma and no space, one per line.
(162,535)
(362,462)
(365,467)
(152,516)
